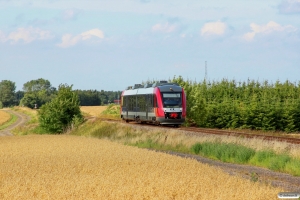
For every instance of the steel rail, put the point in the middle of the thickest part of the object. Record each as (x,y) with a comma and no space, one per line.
(240,134)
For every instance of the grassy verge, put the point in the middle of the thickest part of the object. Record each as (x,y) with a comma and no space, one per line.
(111,112)
(12,120)
(234,153)
(166,141)
(32,126)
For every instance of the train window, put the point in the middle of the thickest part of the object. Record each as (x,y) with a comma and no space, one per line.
(172,99)
(130,103)
(142,102)
(150,100)
(155,101)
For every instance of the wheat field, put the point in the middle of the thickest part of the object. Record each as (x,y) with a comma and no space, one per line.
(4,117)
(93,110)
(73,167)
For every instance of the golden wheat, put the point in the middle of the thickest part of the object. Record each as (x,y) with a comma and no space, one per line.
(93,110)
(4,117)
(73,167)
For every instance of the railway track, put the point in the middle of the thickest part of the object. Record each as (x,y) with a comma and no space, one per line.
(196,130)
(240,134)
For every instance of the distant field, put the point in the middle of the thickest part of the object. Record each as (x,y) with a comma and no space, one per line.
(73,167)
(4,117)
(93,110)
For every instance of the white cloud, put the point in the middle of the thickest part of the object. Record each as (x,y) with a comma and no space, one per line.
(69,40)
(27,35)
(94,32)
(267,29)
(213,28)
(165,28)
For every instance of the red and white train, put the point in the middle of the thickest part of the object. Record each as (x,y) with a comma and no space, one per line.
(159,103)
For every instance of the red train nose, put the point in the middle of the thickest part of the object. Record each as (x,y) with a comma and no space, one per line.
(173,115)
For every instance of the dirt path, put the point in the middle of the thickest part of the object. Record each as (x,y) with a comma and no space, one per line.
(22,119)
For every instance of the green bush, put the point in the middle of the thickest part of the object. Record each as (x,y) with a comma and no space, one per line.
(62,112)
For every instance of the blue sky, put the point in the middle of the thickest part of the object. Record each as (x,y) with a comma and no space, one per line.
(111,44)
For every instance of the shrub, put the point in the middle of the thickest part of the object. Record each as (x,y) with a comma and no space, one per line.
(61,112)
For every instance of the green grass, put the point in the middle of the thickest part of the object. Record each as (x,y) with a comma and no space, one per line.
(225,152)
(12,120)
(111,112)
(234,153)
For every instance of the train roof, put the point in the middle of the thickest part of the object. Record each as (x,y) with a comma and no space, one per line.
(151,85)
(164,86)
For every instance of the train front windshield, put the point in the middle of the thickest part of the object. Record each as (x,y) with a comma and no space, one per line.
(172,100)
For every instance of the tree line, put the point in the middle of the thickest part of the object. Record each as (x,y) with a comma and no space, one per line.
(37,92)
(245,105)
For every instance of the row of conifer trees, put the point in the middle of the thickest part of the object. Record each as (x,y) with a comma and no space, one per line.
(247,105)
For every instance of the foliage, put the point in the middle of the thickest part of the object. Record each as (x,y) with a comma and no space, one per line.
(18,96)
(247,105)
(96,98)
(89,97)
(37,93)
(62,112)
(7,93)
(37,85)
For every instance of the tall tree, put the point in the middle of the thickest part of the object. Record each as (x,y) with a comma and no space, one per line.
(7,93)
(37,85)
(37,92)
(61,112)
